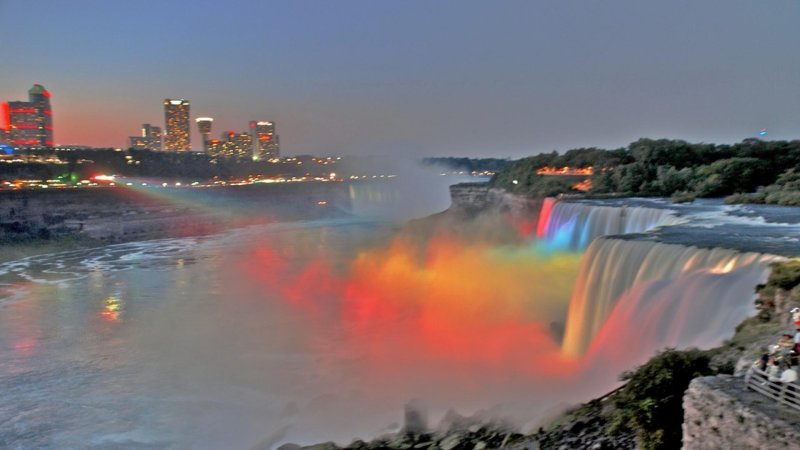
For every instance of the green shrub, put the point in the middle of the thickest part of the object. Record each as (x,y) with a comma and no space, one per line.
(651,403)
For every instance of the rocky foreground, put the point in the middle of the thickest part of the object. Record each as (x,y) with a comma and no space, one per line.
(484,431)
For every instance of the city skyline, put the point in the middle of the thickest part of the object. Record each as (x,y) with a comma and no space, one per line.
(454,78)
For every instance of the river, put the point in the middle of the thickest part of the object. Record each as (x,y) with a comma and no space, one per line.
(323,330)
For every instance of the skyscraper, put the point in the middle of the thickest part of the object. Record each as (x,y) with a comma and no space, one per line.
(177,135)
(265,142)
(204,126)
(30,124)
(149,139)
(235,146)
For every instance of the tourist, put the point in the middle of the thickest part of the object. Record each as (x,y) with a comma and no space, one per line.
(773,369)
(796,317)
(761,363)
(784,349)
(789,375)
(797,341)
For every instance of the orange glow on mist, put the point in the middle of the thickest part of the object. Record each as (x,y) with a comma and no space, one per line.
(444,303)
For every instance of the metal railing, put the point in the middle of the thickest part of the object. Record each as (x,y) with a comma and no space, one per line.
(784,393)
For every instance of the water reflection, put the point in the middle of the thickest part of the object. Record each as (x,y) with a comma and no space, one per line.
(112,308)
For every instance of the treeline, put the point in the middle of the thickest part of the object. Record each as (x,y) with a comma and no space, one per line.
(82,164)
(665,167)
(468,165)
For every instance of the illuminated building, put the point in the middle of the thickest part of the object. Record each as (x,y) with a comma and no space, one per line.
(204,126)
(266,144)
(29,124)
(214,149)
(177,135)
(234,146)
(150,138)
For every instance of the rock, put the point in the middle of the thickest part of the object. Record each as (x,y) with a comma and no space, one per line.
(452,441)
(358,444)
(416,418)
(322,446)
(718,413)
(289,446)
(576,427)
(479,446)
(599,445)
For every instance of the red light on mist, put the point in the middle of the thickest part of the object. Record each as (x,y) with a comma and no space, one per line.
(544,217)
(445,305)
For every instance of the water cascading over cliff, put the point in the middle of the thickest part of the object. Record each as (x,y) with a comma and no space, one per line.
(636,297)
(573,226)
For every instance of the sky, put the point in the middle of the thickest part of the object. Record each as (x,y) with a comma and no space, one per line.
(415,77)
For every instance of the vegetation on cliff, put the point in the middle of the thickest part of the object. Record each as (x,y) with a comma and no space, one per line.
(650,403)
(784,191)
(664,167)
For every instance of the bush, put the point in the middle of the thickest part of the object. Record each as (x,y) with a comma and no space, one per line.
(651,403)
(683,197)
(785,275)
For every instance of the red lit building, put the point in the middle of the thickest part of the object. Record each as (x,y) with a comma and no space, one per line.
(29,124)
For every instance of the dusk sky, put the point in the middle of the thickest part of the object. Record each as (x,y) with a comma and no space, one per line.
(416,78)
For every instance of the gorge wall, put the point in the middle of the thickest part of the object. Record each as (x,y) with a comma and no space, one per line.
(113,214)
(719,413)
(479,197)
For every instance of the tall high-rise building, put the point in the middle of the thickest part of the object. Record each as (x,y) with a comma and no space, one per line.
(149,139)
(30,124)
(266,143)
(234,145)
(204,127)
(177,136)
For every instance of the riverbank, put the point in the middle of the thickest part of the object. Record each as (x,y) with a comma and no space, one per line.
(37,222)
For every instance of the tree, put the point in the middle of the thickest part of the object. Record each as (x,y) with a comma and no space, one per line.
(726,176)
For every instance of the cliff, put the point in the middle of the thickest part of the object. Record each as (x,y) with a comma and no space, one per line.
(115,214)
(719,413)
(480,197)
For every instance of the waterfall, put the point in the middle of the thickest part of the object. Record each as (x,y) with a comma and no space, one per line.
(572,226)
(664,294)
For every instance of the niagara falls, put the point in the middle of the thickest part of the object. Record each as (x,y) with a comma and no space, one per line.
(416,225)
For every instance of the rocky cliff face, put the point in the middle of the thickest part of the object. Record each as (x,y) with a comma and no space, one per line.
(124,214)
(719,413)
(479,197)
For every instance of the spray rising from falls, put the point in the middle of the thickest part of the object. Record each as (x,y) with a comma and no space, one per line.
(572,226)
(636,296)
